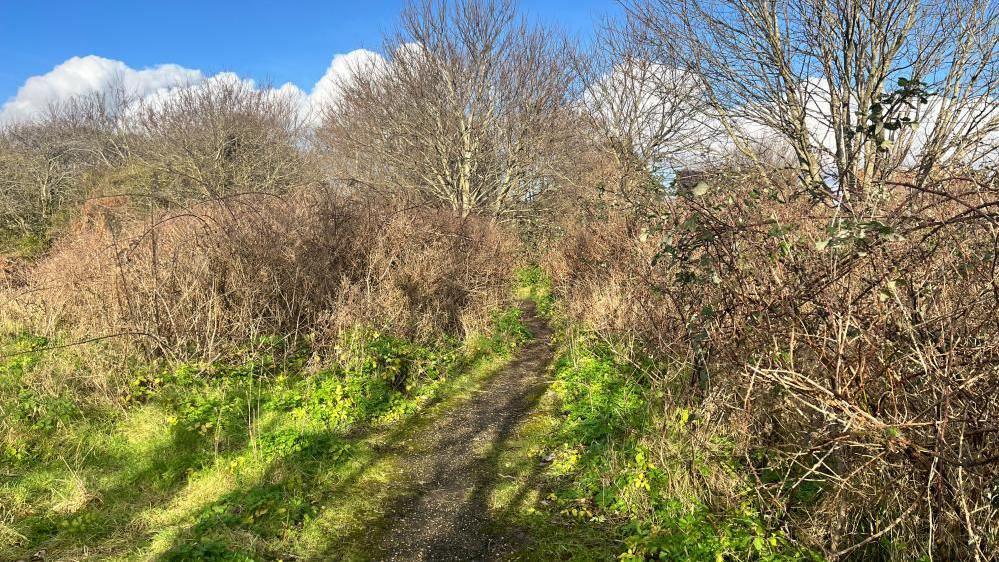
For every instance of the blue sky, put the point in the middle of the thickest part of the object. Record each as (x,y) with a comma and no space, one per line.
(272,42)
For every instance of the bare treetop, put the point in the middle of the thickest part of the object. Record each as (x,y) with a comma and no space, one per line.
(468,108)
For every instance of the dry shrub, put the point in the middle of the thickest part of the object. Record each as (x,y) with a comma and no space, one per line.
(219,138)
(210,140)
(853,358)
(210,279)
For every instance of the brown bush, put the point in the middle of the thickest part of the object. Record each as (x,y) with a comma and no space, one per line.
(206,280)
(855,355)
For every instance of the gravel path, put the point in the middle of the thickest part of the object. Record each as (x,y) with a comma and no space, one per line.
(452,466)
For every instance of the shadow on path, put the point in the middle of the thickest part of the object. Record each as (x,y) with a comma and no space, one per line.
(453,467)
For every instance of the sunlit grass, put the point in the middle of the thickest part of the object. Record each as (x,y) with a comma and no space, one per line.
(230,465)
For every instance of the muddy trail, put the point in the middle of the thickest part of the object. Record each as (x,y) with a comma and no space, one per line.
(451,467)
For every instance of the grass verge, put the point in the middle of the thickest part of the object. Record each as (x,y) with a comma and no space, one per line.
(277,457)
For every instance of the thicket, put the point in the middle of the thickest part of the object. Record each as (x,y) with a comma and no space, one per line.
(224,460)
(194,311)
(743,330)
(812,285)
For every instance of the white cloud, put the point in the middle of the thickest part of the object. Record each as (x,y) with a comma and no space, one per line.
(158,97)
(85,75)
(325,91)
(81,76)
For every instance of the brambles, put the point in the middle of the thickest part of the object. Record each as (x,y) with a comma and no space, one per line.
(305,265)
(820,345)
(812,282)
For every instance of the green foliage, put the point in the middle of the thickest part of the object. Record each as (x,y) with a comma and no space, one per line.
(856,236)
(264,510)
(378,373)
(535,284)
(30,415)
(209,550)
(893,111)
(213,453)
(607,478)
(509,330)
(27,246)
(18,357)
(339,400)
(603,411)
(681,533)
(42,413)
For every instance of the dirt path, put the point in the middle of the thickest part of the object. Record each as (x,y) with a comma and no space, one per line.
(452,466)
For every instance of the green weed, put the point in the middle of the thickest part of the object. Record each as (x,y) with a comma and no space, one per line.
(605,495)
(535,285)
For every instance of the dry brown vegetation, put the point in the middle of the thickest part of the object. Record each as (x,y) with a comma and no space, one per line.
(192,226)
(838,370)
(205,280)
(830,306)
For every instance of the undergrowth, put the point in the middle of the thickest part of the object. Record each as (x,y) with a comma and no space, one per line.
(607,494)
(216,461)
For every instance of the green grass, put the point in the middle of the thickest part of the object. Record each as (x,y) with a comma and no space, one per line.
(281,456)
(579,475)
(24,246)
(274,457)
(535,285)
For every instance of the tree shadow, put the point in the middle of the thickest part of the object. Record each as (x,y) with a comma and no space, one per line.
(449,442)
(113,508)
(447,515)
(295,487)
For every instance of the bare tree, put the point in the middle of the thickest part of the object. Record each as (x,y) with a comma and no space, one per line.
(195,142)
(465,110)
(43,162)
(34,176)
(221,137)
(888,112)
(855,90)
(646,112)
